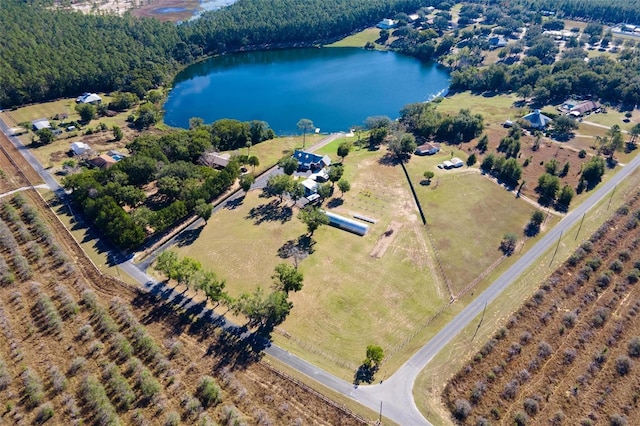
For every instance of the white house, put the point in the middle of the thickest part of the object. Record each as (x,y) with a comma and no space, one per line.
(457,162)
(79,148)
(386,24)
(310,187)
(428,149)
(89,98)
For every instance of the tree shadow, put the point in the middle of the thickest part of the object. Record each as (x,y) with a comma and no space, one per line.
(273,211)
(389,159)
(298,249)
(234,204)
(188,237)
(531,230)
(425,182)
(335,202)
(364,374)
(630,147)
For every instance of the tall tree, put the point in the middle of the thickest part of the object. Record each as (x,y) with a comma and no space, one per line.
(313,218)
(343,186)
(305,125)
(287,278)
(343,150)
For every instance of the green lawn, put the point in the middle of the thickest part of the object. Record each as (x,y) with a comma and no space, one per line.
(359,39)
(494,109)
(460,207)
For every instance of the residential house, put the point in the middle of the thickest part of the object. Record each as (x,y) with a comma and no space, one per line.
(103,161)
(310,161)
(428,149)
(457,162)
(537,120)
(41,123)
(310,187)
(80,148)
(386,24)
(215,160)
(89,98)
(497,42)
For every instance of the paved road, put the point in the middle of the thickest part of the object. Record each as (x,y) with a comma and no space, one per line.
(396,392)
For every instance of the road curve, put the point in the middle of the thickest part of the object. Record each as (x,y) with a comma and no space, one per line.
(395,393)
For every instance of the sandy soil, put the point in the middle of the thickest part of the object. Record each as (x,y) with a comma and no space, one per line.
(385,240)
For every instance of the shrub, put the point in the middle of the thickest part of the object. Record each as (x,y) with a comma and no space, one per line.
(44,413)
(569,319)
(531,406)
(634,347)
(122,392)
(208,391)
(604,279)
(569,355)
(90,299)
(148,384)
(524,376)
(624,255)
(77,364)
(96,348)
(172,419)
(618,420)
(477,391)
(599,317)
(68,305)
(58,380)
(544,350)
(594,263)
(525,337)
(632,276)
(510,390)
(32,387)
(192,407)
(623,365)
(520,419)
(616,266)
(122,347)
(95,397)
(86,332)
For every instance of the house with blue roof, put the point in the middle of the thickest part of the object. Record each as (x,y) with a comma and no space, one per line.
(537,119)
(311,161)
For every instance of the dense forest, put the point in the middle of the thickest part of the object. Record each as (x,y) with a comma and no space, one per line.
(45,54)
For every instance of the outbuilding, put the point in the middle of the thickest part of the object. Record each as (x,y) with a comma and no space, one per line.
(347,224)
(457,162)
(386,24)
(89,98)
(41,123)
(80,148)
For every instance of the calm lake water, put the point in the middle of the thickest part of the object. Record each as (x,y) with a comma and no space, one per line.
(336,88)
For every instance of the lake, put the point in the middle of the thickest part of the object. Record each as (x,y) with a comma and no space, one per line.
(336,88)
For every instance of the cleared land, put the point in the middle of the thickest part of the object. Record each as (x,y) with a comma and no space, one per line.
(567,354)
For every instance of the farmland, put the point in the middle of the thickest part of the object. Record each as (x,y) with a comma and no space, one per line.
(80,347)
(569,352)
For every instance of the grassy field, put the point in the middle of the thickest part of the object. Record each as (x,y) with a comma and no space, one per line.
(494,109)
(460,207)
(433,378)
(359,39)
(350,298)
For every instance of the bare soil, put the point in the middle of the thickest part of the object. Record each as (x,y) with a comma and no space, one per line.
(560,358)
(252,392)
(385,240)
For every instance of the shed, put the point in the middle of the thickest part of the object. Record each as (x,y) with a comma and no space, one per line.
(428,149)
(89,98)
(447,164)
(79,148)
(457,162)
(41,123)
(347,224)
(320,176)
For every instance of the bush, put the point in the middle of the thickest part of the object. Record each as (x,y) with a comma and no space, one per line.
(599,317)
(58,380)
(544,350)
(95,397)
(616,266)
(569,355)
(520,419)
(32,387)
(77,364)
(122,392)
(604,279)
(148,384)
(531,406)
(633,276)
(618,420)
(569,319)
(44,413)
(208,391)
(510,390)
(461,409)
(634,347)
(623,365)
(172,419)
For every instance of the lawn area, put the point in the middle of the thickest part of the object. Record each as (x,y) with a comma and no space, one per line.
(269,152)
(494,109)
(359,39)
(460,207)
(350,299)
(612,117)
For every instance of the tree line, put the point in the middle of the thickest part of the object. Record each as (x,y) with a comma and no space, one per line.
(46,54)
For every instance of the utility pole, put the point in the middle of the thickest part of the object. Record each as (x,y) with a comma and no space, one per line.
(557,247)
(380,419)
(612,192)
(480,323)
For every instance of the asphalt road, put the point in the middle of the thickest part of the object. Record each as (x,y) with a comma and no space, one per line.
(395,393)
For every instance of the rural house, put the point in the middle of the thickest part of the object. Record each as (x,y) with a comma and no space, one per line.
(80,148)
(537,119)
(103,161)
(89,98)
(428,149)
(310,161)
(41,123)
(215,160)
(386,24)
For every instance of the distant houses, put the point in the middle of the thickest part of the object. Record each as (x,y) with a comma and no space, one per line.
(537,120)
(578,109)
(386,24)
(103,161)
(89,98)
(310,161)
